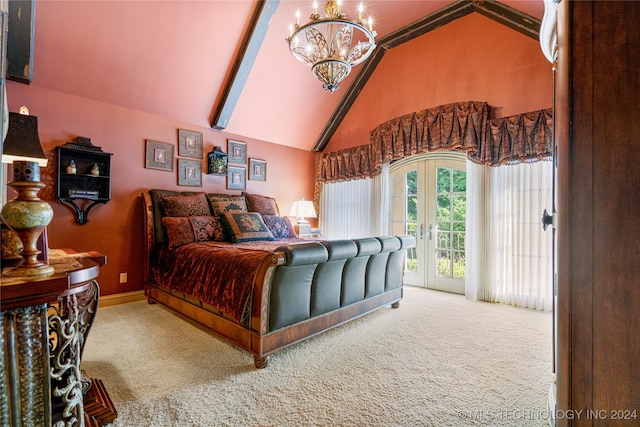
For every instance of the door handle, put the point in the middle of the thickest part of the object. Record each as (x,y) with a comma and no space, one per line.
(548,220)
(421,232)
(430,231)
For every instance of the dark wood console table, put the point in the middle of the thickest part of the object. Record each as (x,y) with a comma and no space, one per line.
(45,323)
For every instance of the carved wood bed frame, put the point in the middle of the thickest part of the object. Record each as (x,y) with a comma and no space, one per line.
(254,335)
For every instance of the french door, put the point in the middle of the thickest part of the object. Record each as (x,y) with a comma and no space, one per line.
(428,200)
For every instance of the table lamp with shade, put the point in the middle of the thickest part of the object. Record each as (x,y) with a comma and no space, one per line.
(303,209)
(26,215)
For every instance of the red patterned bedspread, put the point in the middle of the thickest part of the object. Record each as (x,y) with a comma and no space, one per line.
(220,274)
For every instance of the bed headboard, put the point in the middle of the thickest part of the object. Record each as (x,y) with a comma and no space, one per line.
(153,213)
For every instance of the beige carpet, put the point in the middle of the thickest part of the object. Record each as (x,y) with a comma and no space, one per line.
(437,360)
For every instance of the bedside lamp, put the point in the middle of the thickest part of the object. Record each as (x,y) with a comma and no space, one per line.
(26,215)
(303,209)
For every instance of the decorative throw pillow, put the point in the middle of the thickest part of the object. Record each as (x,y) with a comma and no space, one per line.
(245,227)
(222,204)
(185,205)
(280,226)
(184,230)
(262,204)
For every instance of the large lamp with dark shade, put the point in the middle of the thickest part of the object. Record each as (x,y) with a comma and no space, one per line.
(22,141)
(26,215)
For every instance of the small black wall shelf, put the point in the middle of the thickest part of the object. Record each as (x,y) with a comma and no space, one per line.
(84,176)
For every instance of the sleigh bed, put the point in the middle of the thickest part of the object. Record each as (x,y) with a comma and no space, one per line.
(232,264)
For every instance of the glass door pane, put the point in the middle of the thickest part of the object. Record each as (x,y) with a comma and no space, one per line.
(451,207)
(450,214)
(429,202)
(405,216)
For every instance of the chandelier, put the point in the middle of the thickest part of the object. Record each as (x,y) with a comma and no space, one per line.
(332,45)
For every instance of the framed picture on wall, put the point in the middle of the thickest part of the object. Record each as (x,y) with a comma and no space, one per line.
(159,155)
(189,144)
(189,173)
(237,151)
(236,177)
(257,170)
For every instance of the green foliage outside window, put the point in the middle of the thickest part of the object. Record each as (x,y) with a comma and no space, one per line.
(451,206)
(444,268)
(451,212)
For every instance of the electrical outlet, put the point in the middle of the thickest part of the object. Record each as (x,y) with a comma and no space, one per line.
(123,277)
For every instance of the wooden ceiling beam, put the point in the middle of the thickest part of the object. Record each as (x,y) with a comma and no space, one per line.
(244,62)
(512,18)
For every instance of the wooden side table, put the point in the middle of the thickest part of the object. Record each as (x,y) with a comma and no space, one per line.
(45,324)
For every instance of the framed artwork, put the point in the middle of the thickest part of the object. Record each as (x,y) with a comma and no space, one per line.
(257,170)
(237,151)
(189,173)
(236,177)
(159,155)
(189,144)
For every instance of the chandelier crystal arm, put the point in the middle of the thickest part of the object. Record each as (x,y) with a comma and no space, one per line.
(327,44)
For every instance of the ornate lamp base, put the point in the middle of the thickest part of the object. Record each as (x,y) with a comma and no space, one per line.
(27,216)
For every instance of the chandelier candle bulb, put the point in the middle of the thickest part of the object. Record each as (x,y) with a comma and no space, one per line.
(360,10)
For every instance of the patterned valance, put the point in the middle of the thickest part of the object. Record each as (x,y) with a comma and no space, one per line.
(351,163)
(516,139)
(462,126)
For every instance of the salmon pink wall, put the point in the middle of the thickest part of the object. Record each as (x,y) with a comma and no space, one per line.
(116,229)
(470,59)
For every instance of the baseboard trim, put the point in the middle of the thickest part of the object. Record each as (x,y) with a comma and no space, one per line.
(122,298)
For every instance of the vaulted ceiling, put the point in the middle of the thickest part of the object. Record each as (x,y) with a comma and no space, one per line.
(178,59)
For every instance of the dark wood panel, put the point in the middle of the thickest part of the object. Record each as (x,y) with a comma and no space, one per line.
(581,213)
(616,132)
(598,134)
(561,131)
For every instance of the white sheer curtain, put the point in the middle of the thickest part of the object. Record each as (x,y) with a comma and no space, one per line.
(353,209)
(509,256)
